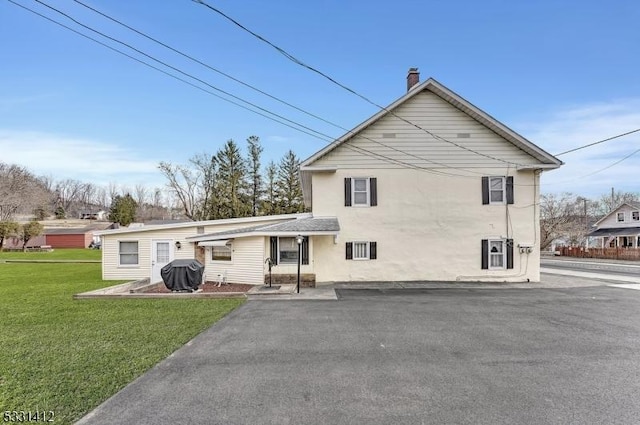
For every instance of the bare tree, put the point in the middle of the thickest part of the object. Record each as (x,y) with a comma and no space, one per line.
(557,213)
(20,191)
(68,193)
(112,191)
(102,197)
(610,202)
(184,184)
(207,202)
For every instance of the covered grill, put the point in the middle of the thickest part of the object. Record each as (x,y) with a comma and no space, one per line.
(182,275)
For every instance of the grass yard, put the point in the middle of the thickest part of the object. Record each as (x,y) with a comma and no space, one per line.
(68,356)
(56,254)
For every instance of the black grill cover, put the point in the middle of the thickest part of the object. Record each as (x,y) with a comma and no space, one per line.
(182,275)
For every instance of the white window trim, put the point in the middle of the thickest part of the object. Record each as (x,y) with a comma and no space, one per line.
(298,252)
(367,251)
(504,190)
(353,192)
(128,266)
(230,246)
(504,254)
(634,219)
(624,217)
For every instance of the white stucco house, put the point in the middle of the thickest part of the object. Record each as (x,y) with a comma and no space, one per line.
(430,188)
(620,228)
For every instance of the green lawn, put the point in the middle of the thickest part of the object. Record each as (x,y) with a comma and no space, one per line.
(56,254)
(67,356)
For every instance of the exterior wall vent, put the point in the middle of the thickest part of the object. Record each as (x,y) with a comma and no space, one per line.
(200,230)
(388,135)
(464,135)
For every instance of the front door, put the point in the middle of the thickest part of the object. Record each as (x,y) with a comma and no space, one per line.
(161,255)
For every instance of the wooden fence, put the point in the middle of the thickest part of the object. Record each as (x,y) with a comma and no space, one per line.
(608,253)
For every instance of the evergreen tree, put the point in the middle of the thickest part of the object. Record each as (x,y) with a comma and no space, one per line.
(29,231)
(123,210)
(231,182)
(288,184)
(270,204)
(60,213)
(253,174)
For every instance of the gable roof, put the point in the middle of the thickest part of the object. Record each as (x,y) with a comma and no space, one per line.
(633,205)
(546,160)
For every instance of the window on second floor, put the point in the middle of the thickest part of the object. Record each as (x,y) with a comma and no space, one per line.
(497,190)
(360,192)
(635,215)
(620,217)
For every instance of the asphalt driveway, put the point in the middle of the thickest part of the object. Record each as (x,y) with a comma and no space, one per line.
(439,356)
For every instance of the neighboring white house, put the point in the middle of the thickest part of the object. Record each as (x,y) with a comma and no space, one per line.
(431,188)
(619,228)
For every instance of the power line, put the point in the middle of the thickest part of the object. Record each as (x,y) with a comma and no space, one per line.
(598,142)
(326,137)
(231,77)
(297,61)
(163,71)
(241,82)
(176,69)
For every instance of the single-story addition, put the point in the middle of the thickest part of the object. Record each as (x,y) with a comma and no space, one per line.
(235,249)
(620,228)
(429,188)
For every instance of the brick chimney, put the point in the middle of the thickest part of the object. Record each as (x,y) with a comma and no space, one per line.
(413,78)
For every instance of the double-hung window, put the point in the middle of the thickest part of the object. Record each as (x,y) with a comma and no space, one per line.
(360,189)
(620,217)
(497,254)
(497,190)
(128,253)
(360,192)
(635,215)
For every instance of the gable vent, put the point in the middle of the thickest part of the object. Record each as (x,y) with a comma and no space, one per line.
(388,135)
(464,135)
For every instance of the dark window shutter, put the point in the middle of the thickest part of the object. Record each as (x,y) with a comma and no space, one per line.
(485,254)
(347,191)
(510,190)
(274,250)
(509,253)
(373,187)
(373,250)
(349,251)
(485,190)
(305,250)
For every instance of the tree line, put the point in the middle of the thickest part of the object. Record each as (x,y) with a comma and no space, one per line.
(227,184)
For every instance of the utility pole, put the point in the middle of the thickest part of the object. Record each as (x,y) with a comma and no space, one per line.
(612,206)
(586,228)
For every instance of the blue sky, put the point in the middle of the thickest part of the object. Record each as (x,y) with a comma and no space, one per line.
(563,74)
